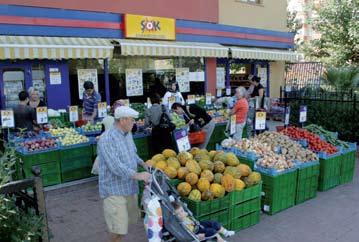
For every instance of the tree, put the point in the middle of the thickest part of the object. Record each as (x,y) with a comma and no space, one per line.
(343,78)
(294,25)
(337,24)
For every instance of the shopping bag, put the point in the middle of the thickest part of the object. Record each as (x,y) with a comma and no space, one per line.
(153,220)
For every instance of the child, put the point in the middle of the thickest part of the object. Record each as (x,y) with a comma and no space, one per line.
(206,228)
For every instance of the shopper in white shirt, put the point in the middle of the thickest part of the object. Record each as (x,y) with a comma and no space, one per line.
(172,92)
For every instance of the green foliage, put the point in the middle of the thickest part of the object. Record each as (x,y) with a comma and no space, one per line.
(345,78)
(337,24)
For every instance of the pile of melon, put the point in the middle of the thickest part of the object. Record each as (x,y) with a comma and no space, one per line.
(205,175)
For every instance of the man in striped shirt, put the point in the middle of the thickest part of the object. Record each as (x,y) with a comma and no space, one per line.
(90,101)
(118,176)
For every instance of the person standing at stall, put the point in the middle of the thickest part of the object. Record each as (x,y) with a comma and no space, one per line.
(35,100)
(173,92)
(90,102)
(240,110)
(118,176)
(24,115)
(258,90)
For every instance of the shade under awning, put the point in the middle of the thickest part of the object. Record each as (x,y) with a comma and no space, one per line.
(167,48)
(264,54)
(36,47)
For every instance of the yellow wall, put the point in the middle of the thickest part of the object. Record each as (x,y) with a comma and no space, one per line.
(276,77)
(270,15)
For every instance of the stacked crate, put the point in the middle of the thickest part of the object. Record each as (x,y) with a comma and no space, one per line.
(348,164)
(329,176)
(307,182)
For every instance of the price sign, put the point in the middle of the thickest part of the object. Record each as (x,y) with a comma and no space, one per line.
(102,109)
(191,99)
(233,125)
(302,114)
(219,92)
(182,140)
(74,113)
(208,98)
(127,102)
(171,100)
(7,119)
(286,117)
(260,123)
(41,115)
(228,91)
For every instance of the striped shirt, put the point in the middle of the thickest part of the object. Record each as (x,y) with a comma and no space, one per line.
(118,155)
(90,102)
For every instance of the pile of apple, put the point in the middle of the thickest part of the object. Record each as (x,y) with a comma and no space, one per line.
(62,131)
(39,144)
(92,127)
(73,139)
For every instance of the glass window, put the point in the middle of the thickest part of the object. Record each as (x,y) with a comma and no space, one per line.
(14,82)
(38,80)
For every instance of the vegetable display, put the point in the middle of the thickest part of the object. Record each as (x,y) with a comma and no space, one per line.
(330,137)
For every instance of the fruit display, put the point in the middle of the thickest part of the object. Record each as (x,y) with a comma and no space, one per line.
(24,135)
(92,127)
(330,137)
(289,148)
(205,175)
(314,142)
(73,139)
(39,144)
(62,131)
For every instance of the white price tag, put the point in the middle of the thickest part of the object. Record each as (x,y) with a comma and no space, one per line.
(7,119)
(102,110)
(191,99)
(233,124)
(219,92)
(266,208)
(228,91)
(260,123)
(287,116)
(208,98)
(182,140)
(73,113)
(41,115)
(302,114)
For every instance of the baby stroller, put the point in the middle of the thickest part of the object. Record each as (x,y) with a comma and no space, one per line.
(173,228)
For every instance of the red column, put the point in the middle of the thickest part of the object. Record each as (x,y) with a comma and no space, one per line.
(211,75)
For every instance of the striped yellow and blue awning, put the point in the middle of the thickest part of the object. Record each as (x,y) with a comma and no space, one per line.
(36,47)
(264,54)
(168,48)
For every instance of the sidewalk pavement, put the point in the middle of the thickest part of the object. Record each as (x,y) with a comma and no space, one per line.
(75,215)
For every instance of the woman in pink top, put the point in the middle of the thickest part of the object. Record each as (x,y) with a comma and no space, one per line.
(241,111)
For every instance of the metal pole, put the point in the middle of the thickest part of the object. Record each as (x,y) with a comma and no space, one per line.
(107,81)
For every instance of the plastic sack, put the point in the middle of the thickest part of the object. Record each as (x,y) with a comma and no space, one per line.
(153,220)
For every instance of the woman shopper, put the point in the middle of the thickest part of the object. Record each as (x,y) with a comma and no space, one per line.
(161,138)
(34,98)
(173,92)
(241,111)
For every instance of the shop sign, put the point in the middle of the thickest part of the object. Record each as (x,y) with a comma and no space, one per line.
(232,129)
(260,121)
(102,109)
(182,77)
(84,75)
(148,27)
(41,115)
(302,114)
(134,82)
(287,116)
(182,140)
(191,99)
(262,73)
(7,119)
(55,76)
(208,98)
(73,113)
(220,78)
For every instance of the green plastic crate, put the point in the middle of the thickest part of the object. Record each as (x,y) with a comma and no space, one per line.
(76,169)
(72,153)
(246,221)
(248,162)
(245,208)
(307,183)
(94,150)
(30,160)
(279,191)
(329,172)
(203,208)
(347,168)
(221,217)
(237,197)
(217,136)
(50,173)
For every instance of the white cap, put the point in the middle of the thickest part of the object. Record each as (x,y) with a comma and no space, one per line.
(125,112)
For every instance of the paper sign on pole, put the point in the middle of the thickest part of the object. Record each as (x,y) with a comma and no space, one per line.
(134,82)
(208,98)
(228,91)
(41,115)
(302,114)
(287,116)
(74,113)
(182,77)
(191,99)
(262,73)
(233,124)
(182,140)
(221,78)
(54,76)
(7,119)
(260,123)
(84,75)
(219,92)
(102,109)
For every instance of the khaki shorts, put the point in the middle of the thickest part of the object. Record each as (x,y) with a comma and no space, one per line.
(120,211)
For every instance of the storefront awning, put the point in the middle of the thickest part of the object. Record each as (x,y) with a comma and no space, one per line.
(167,48)
(264,54)
(35,47)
